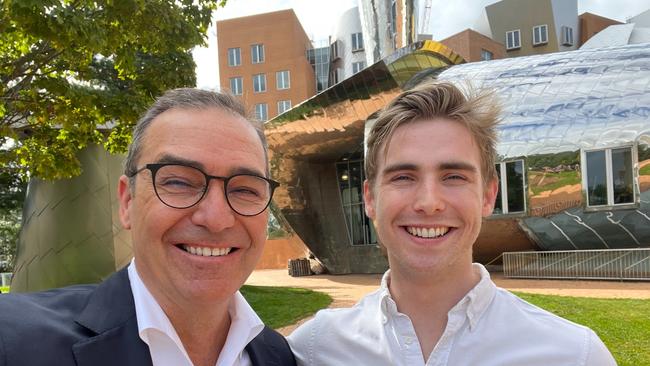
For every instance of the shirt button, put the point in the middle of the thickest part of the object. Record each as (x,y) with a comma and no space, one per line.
(384,319)
(408,340)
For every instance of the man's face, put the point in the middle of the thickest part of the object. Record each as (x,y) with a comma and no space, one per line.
(220,144)
(428,198)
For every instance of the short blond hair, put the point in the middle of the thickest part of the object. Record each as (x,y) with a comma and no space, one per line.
(477,110)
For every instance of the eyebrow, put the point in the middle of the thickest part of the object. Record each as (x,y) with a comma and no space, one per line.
(173,159)
(448,165)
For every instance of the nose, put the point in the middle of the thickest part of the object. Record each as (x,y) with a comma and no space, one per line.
(213,211)
(429,197)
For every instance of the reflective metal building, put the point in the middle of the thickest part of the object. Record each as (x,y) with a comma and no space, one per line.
(574,152)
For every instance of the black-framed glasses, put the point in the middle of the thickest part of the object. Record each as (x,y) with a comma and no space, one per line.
(182,186)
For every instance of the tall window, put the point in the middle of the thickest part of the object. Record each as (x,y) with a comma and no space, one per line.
(236,85)
(257,53)
(283,106)
(358,66)
(262,111)
(513,39)
(607,176)
(511,197)
(486,55)
(282,80)
(259,83)
(234,56)
(567,36)
(357,41)
(350,178)
(540,35)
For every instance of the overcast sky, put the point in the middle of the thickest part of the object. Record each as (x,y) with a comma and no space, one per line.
(318,17)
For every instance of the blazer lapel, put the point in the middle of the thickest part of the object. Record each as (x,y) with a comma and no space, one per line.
(110,318)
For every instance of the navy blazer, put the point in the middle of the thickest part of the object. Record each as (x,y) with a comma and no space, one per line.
(94,325)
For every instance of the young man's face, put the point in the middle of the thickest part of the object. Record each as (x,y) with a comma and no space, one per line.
(428,198)
(220,144)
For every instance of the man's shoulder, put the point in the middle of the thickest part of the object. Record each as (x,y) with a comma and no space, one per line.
(520,310)
(270,344)
(28,307)
(337,323)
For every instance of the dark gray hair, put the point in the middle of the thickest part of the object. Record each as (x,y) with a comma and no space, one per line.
(186,98)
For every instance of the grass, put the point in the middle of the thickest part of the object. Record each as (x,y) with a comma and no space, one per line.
(645,170)
(552,181)
(282,306)
(4,289)
(622,324)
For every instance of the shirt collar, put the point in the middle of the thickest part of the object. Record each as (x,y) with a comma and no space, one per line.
(473,305)
(245,324)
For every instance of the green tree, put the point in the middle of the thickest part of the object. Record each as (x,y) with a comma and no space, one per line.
(78,72)
(12,196)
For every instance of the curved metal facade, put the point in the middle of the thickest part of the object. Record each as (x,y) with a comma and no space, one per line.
(561,108)
(574,150)
(71,231)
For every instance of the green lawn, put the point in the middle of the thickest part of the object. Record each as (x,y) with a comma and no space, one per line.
(623,324)
(552,181)
(645,170)
(282,306)
(4,289)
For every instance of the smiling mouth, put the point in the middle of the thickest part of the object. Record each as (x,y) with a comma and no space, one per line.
(206,251)
(428,233)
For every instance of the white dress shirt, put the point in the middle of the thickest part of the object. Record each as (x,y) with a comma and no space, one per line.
(166,348)
(488,327)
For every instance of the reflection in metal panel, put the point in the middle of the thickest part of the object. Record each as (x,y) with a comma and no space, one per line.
(308,140)
(581,122)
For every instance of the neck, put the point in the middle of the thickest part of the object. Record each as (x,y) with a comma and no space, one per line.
(202,332)
(427,298)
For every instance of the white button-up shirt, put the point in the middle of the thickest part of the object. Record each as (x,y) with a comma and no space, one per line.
(166,348)
(488,327)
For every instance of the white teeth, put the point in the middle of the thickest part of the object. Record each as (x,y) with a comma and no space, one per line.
(206,252)
(427,233)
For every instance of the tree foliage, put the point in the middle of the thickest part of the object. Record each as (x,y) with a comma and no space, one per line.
(12,196)
(78,72)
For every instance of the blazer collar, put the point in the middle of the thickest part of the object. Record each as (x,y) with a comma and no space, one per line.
(110,318)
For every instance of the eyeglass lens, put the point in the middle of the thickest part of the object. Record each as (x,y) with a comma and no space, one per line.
(183,186)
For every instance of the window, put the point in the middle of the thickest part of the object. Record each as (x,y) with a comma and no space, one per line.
(349,171)
(282,80)
(236,86)
(540,35)
(567,36)
(262,111)
(259,83)
(511,197)
(257,53)
(358,66)
(607,176)
(357,41)
(513,40)
(234,56)
(336,76)
(283,106)
(486,55)
(335,49)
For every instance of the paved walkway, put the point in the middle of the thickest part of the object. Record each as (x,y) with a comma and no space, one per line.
(346,290)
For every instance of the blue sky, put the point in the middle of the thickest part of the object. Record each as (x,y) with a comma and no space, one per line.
(318,17)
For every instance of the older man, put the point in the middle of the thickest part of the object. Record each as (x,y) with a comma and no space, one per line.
(430,181)
(194,194)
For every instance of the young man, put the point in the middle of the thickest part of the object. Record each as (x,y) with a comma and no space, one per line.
(430,181)
(194,194)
